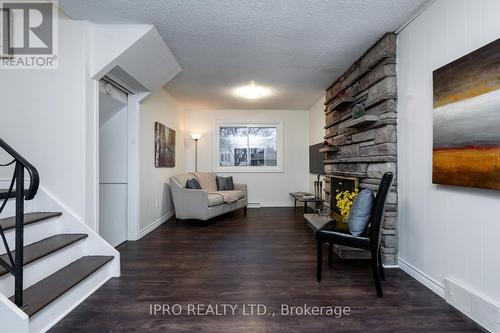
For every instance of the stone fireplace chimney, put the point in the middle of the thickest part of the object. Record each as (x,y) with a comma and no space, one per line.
(361,128)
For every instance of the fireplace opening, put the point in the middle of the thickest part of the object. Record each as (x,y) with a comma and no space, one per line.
(340,184)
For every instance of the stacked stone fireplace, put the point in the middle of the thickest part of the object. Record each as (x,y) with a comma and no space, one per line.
(363,144)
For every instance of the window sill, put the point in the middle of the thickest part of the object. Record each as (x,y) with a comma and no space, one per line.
(248,170)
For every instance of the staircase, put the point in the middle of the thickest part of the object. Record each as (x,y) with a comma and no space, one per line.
(49,260)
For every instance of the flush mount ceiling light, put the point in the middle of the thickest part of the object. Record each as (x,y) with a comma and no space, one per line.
(252,91)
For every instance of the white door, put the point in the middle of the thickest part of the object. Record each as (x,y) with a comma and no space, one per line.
(113,164)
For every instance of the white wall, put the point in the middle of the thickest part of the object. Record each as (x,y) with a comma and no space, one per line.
(444,231)
(316,131)
(268,189)
(158,106)
(42,116)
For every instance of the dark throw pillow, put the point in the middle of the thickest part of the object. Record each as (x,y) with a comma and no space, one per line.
(225,183)
(193,184)
(360,213)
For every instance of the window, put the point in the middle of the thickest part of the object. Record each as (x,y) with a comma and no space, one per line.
(248,147)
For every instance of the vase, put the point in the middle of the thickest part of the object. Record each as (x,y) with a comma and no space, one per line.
(342,223)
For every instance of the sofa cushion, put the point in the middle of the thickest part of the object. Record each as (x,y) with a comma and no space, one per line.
(360,213)
(231,196)
(207,181)
(225,183)
(215,199)
(193,184)
(238,193)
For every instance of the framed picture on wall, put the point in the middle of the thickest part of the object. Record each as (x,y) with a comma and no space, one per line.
(164,146)
(466,117)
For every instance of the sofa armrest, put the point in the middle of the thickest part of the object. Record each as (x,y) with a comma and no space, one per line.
(190,197)
(189,203)
(242,187)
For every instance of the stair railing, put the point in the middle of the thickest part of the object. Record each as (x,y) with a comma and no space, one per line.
(15,267)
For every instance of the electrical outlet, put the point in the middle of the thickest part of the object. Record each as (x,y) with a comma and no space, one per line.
(157,204)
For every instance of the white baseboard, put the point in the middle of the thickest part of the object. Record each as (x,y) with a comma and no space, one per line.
(473,304)
(277,204)
(270,204)
(421,277)
(253,205)
(144,231)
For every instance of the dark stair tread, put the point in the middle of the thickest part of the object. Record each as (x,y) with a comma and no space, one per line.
(47,290)
(5,191)
(43,248)
(10,222)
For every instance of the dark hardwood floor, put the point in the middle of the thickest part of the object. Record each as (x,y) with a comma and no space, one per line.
(267,257)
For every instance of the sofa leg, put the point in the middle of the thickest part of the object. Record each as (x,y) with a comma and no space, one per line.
(245,210)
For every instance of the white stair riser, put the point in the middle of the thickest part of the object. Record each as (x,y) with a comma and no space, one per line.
(32,233)
(43,267)
(10,208)
(55,311)
(93,245)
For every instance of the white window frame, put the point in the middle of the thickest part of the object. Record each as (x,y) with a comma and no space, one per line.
(216,147)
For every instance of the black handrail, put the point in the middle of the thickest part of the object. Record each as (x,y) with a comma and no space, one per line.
(32,171)
(16,264)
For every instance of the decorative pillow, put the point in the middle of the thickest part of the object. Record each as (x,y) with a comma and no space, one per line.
(225,183)
(193,184)
(360,213)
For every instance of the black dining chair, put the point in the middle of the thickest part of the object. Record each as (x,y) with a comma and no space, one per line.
(369,240)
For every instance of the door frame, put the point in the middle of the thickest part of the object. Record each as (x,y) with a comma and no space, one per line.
(133,187)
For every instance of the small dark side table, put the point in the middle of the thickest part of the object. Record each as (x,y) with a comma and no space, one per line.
(299,196)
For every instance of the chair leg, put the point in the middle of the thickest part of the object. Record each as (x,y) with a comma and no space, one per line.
(380,266)
(319,262)
(330,254)
(376,274)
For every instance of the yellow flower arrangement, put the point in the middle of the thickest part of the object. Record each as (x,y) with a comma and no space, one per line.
(345,200)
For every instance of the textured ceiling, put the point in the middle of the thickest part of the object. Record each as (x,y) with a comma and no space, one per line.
(295,47)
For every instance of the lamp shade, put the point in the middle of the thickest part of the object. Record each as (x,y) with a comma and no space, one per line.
(195,136)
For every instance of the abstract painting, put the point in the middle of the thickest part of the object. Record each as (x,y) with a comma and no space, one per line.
(164,146)
(466,120)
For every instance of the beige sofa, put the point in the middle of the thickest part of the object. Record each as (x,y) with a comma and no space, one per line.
(208,202)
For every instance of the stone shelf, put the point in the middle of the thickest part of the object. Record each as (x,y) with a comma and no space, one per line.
(362,121)
(341,104)
(374,159)
(329,149)
(347,174)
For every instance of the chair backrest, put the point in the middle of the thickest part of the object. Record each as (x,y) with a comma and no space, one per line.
(378,210)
